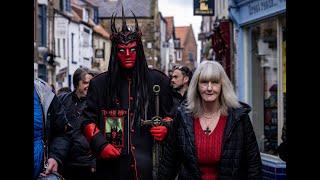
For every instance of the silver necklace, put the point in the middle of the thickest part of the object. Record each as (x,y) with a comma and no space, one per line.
(208,130)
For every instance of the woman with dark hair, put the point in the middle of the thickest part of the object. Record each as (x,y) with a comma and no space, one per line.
(212,137)
(125,93)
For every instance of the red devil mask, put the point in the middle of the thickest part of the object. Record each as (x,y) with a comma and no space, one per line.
(127,54)
(126,41)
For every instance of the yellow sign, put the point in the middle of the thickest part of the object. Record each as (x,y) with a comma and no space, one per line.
(203,7)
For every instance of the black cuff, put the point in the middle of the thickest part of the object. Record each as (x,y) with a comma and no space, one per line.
(97,143)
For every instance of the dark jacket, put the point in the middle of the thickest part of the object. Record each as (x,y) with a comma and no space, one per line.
(79,154)
(136,154)
(283,147)
(240,156)
(56,123)
(178,99)
(57,129)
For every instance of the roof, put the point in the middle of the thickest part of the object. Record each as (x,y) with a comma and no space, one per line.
(83,2)
(100,30)
(181,33)
(170,26)
(141,8)
(77,2)
(76,9)
(92,3)
(75,14)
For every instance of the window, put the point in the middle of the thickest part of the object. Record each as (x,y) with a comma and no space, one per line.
(268,90)
(85,37)
(42,25)
(72,48)
(68,5)
(86,30)
(64,48)
(42,72)
(190,56)
(59,54)
(86,15)
(65,5)
(104,49)
(177,43)
(96,15)
(178,55)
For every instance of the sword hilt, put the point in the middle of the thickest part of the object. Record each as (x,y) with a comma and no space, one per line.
(156,90)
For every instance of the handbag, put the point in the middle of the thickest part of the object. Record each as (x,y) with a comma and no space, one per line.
(51,176)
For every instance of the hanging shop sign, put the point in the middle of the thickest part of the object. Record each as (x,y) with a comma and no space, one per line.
(203,7)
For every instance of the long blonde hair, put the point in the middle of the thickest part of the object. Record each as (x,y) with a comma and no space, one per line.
(211,71)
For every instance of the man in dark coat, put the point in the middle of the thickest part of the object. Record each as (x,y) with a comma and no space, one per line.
(180,80)
(80,163)
(124,94)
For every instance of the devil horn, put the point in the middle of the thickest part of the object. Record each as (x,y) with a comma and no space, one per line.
(136,21)
(124,24)
(113,25)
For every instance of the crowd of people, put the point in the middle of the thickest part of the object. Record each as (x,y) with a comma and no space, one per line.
(133,122)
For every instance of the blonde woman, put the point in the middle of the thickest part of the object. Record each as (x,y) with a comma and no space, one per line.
(212,137)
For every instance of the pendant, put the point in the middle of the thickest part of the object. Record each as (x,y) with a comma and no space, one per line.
(207,131)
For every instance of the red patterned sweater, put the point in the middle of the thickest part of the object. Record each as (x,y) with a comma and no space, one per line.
(208,148)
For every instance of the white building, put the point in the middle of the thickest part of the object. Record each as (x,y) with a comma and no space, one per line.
(73,41)
(61,37)
(86,53)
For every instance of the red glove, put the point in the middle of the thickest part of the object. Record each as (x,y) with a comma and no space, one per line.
(109,152)
(159,132)
(90,130)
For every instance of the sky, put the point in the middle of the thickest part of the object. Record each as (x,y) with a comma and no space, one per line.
(182,11)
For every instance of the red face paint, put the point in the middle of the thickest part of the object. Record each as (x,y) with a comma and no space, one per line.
(127,54)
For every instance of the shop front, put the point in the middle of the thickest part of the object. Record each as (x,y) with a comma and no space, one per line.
(261,75)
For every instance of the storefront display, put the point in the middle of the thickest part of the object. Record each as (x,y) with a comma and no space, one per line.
(265,55)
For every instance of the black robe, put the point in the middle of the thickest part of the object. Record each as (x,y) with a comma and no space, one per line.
(136,159)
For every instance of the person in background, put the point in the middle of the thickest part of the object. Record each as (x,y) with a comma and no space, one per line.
(80,163)
(180,80)
(51,142)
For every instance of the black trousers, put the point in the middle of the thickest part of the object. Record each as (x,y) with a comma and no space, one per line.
(79,173)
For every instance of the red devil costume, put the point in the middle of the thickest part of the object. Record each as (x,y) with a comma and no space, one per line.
(118,101)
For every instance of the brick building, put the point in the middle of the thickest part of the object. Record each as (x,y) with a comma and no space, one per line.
(186,46)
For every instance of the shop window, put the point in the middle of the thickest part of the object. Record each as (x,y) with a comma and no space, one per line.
(265,85)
